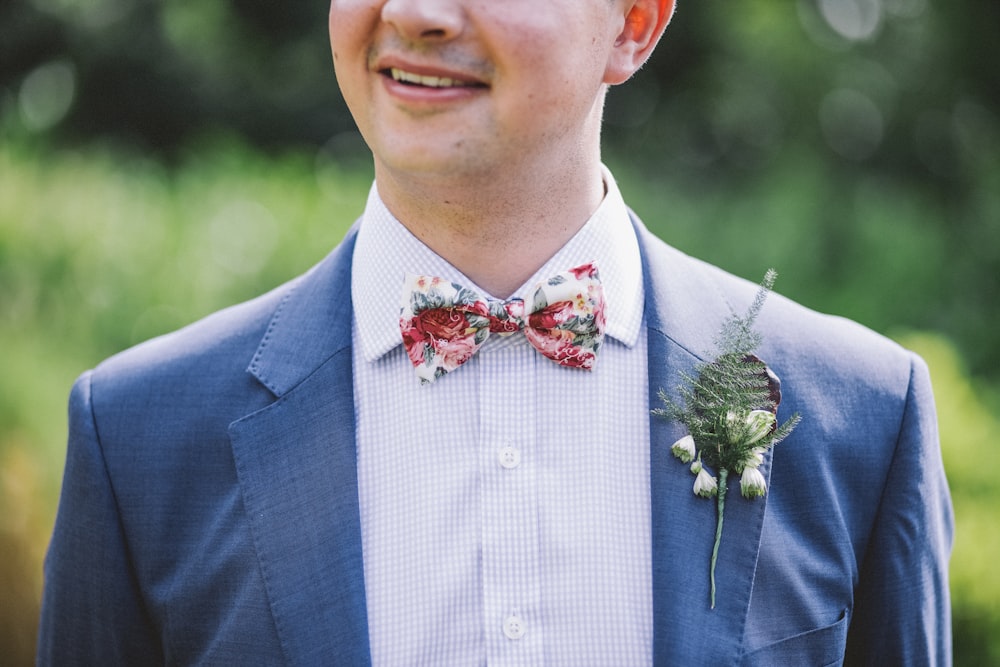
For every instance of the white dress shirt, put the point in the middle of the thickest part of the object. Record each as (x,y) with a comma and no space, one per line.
(504,507)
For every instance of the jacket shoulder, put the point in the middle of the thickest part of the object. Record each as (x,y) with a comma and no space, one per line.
(220,349)
(820,344)
(221,344)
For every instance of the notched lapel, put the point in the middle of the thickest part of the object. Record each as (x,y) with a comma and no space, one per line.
(684,309)
(297,466)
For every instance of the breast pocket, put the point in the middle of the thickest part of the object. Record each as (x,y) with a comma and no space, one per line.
(821,647)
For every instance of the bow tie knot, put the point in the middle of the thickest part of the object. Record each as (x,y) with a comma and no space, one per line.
(443,324)
(506,317)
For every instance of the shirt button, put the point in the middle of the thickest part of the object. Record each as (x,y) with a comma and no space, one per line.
(510,457)
(513,627)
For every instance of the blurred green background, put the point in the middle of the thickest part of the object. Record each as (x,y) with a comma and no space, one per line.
(160,159)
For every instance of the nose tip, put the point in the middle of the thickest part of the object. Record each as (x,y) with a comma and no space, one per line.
(424,20)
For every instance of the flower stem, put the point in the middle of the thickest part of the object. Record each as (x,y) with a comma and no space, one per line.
(723,474)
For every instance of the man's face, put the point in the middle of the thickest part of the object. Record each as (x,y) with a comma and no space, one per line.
(444,87)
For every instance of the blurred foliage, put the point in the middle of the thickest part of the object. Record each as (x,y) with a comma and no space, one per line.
(160,159)
(871,110)
(827,127)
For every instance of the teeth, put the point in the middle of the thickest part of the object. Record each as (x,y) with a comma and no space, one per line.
(431,81)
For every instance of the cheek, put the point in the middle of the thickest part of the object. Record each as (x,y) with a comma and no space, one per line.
(351,25)
(558,58)
(350,22)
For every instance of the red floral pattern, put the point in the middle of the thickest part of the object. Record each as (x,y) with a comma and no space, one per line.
(443,324)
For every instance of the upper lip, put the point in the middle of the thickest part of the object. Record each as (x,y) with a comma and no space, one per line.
(386,64)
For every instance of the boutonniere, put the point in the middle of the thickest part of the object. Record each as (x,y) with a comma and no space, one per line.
(729,407)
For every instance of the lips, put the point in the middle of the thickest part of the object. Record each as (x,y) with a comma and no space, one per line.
(426,80)
(408,73)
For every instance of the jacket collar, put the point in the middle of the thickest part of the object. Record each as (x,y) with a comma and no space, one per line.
(296,462)
(311,324)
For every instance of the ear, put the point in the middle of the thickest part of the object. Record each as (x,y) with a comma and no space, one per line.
(645,21)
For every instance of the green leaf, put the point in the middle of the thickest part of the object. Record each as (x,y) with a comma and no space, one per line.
(539,302)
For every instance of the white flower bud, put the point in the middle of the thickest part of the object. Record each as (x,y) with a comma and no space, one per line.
(696,467)
(759,424)
(705,485)
(756,458)
(684,449)
(752,483)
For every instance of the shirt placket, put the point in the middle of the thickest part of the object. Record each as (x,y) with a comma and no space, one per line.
(508,470)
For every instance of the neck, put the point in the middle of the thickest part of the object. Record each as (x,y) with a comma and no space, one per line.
(497,229)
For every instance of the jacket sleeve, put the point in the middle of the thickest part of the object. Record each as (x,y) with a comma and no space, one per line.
(902,614)
(92,608)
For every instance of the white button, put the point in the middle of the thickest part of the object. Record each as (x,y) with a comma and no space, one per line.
(513,627)
(510,457)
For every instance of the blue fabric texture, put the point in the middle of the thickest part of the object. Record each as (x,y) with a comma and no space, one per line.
(209,512)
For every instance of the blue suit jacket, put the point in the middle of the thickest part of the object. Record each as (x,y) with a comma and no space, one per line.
(209,512)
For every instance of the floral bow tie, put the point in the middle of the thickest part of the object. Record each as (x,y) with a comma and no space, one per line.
(443,324)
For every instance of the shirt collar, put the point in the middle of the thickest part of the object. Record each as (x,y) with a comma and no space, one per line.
(385,251)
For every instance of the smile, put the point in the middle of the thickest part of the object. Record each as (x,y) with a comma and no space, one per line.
(428,81)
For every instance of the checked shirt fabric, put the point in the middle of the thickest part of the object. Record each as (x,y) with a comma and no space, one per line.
(505,510)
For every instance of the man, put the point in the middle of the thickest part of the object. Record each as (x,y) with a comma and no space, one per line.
(276,484)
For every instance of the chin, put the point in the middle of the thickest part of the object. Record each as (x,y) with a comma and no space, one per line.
(432,161)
